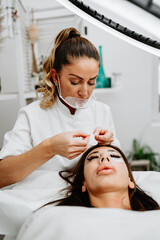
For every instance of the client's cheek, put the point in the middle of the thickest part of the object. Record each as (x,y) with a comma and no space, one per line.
(122,170)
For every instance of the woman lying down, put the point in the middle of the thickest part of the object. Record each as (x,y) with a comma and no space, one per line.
(103,179)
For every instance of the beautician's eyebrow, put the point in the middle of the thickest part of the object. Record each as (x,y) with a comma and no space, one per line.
(74,75)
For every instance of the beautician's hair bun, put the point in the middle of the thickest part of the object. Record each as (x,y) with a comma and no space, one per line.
(73,34)
(64,35)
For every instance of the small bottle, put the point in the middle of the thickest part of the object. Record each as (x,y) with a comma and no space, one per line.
(102,80)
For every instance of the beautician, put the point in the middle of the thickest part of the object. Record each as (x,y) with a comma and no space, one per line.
(52,132)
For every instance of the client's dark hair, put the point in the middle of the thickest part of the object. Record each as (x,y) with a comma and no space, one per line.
(139,200)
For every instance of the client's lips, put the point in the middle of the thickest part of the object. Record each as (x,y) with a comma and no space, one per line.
(105,169)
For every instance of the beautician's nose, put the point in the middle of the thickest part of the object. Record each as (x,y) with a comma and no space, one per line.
(83,91)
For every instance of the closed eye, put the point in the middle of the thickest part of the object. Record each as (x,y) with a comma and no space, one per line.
(78,82)
(75,83)
(115,156)
(93,157)
(92,83)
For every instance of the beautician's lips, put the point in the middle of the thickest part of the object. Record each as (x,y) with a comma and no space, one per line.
(105,169)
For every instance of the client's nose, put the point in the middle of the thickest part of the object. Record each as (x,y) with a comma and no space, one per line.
(106,158)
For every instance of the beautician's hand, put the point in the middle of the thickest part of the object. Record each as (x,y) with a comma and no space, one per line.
(103,136)
(70,144)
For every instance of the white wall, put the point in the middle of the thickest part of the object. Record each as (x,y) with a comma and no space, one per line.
(8,115)
(8,67)
(131,104)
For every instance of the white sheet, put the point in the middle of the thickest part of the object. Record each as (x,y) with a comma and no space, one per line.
(17,205)
(78,223)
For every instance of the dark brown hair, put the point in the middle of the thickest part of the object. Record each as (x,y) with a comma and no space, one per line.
(69,45)
(139,200)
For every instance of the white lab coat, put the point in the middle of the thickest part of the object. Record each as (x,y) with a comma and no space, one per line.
(35,124)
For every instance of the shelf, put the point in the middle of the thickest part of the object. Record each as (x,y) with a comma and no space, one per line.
(4,97)
(29,95)
(97,90)
(140,165)
(108,90)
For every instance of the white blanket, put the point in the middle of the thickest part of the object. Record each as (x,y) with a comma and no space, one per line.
(79,223)
(17,204)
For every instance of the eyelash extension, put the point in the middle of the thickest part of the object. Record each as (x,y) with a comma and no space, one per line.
(89,159)
(116,156)
(112,155)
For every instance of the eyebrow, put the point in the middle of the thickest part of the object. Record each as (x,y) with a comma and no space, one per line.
(112,150)
(74,75)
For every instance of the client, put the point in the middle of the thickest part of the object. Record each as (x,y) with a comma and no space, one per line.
(102,178)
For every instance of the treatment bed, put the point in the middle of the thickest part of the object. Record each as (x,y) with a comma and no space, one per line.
(19,219)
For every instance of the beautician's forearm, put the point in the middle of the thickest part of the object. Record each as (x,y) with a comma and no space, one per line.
(15,168)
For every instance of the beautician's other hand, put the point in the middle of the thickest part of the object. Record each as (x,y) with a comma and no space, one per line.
(70,144)
(103,136)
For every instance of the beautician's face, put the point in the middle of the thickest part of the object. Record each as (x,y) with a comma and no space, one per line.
(105,171)
(79,78)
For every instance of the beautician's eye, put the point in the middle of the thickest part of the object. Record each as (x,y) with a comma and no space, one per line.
(92,83)
(93,157)
(74,83)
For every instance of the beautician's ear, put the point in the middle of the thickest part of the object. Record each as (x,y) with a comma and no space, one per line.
(54,76)
(131,184)
(84,188)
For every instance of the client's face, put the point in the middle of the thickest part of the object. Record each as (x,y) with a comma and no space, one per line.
(105,171)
